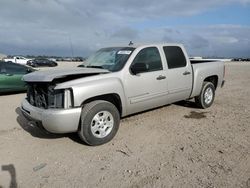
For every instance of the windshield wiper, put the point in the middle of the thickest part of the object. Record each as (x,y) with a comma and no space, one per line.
(91,66)
(81,65)
(94,66)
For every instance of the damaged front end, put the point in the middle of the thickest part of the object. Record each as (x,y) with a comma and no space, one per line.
(41,91)
(54,107)
(43,95)
(50,108)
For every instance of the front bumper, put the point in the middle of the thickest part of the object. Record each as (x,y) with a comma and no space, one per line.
(53,120)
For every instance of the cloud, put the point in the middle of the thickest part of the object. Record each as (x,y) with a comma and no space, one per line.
(126,33)
(220,40)
(197,42)
(51,26)
(216,40)
(226,40)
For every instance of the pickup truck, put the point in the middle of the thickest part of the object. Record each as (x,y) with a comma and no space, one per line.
(116,82)
(17,59)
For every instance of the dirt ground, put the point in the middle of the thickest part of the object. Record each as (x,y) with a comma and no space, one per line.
(177,145)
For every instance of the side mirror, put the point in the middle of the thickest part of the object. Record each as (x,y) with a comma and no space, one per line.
(138,68)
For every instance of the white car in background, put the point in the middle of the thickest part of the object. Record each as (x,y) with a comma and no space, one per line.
(17,59)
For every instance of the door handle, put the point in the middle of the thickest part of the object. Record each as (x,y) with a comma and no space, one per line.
(186,73)
(8,74)
(161,77)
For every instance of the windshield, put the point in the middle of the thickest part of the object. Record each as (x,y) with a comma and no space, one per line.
(112,59)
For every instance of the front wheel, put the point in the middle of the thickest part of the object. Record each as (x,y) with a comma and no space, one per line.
(99,122)
(206,97)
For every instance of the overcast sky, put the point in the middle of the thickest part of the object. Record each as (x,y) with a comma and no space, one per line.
(50,27)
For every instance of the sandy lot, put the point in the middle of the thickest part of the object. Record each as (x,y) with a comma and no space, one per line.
(177,145)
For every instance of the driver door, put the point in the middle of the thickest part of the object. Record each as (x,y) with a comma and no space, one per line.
(147,89)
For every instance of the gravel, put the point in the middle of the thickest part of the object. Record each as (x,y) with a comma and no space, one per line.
(176,145)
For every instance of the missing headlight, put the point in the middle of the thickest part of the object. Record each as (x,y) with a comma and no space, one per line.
(55,98)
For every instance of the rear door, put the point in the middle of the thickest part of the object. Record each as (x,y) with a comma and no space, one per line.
(147,89)
(179,74)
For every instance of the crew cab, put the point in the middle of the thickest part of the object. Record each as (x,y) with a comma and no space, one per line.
(116,82)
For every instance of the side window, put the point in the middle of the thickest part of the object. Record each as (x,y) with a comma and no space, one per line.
(175,57)
(150,57)
(15,68)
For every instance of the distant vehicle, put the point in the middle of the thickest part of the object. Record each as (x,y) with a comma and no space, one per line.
(39,62)
(241,59)
(11,76)
(17,59)
(77,59)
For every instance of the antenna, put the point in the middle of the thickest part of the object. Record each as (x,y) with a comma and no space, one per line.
(131,43)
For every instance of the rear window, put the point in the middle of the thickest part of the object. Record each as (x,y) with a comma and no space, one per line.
(174,56)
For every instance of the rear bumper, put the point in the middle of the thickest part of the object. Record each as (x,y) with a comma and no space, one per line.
(53,120)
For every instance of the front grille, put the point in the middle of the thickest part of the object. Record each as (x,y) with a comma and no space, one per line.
(43,95)
(37,95)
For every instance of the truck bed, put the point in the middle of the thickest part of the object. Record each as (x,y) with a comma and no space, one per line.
(194,61)
(204,69)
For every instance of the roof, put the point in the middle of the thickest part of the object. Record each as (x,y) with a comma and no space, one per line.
(147,44)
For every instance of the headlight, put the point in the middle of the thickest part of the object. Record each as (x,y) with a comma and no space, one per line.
(56,99)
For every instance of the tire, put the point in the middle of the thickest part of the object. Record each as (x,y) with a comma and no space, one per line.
(207,95)
(99,122)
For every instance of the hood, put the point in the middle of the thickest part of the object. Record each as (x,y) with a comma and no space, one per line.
(50,75)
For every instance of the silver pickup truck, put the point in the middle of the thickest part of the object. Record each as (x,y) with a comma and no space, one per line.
(116,82)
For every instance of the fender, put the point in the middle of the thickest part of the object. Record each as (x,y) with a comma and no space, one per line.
(86,89)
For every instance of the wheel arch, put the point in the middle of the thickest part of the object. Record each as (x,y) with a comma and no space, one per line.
(213,79)
(113,98)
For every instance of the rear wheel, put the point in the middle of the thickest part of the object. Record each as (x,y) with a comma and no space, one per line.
(206,97)
(99,122)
